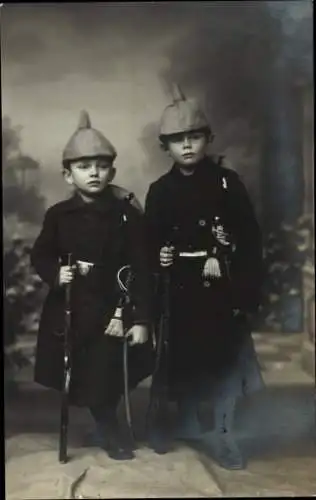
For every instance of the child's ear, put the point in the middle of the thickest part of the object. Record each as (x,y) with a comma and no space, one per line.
(67,176)
(163,146)
(211,138)
(112,174)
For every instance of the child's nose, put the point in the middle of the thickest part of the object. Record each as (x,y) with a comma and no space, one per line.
(94,170)
(186,141)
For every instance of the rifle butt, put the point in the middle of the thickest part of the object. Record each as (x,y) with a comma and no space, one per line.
(63,458)
(64,420)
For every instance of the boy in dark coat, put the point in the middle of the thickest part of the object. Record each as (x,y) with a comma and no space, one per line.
(102,233)
(201,225)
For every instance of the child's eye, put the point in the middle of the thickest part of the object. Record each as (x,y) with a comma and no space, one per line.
(103,166)
(79,166)
(176,138)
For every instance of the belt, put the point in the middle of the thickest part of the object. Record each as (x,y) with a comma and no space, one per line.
(192,255)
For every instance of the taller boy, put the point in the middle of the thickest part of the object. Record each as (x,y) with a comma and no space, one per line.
(201,223)
(102,233)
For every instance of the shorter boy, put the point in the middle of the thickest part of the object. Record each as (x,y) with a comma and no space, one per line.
(102,233)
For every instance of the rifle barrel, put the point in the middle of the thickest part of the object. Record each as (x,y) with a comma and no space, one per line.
(64,412)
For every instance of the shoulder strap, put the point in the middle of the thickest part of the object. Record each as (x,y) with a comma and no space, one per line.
(219,161)
(227,174)
(123,194)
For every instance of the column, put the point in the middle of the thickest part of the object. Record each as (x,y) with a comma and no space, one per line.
(308,340)
(283,188)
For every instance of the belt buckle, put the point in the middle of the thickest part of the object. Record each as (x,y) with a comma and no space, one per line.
(84,267)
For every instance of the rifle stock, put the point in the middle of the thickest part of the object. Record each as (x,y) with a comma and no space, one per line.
(64,413)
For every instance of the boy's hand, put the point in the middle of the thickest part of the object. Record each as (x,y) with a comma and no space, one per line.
(138,334)
(115,328)
(66,274)
(166,256)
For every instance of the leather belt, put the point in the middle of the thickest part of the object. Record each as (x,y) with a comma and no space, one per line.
(192,255)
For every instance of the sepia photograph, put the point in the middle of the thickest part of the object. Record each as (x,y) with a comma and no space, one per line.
(158,249)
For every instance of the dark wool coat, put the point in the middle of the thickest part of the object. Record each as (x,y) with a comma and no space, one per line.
(205,337)
(95,233)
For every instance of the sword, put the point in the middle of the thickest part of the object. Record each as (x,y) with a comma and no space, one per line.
(124,287)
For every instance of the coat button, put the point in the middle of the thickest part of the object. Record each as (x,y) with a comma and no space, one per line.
(207,284)
(202,222)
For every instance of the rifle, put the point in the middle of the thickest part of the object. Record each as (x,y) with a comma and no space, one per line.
(64,414)
(159,386)
(125,303)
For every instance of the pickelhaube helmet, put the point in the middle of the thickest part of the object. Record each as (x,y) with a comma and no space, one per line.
(87,142)
(183,115)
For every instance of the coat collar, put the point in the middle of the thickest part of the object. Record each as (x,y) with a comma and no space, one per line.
(107,201)
(205,167)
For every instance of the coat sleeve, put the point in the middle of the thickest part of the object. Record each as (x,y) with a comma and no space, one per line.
(247,264)
(138,259)
(44,254)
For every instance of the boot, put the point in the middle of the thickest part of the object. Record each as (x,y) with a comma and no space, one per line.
(225,451)
(113,443)
(109,438)
(158,431)
(223,448)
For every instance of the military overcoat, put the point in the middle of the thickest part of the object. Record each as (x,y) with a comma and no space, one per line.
(98,233)
(208,212)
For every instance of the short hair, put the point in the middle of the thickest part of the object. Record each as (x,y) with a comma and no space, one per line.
(67,163)
(163,139)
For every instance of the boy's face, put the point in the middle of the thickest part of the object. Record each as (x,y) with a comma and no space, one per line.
(90,176)
(188,148)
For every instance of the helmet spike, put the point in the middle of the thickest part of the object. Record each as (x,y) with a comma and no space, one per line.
(84,120)
(177,93)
